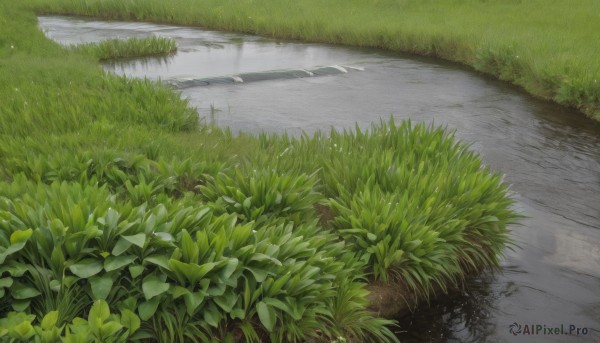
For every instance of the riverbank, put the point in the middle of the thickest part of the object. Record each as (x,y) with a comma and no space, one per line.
(546,47)
(112,194)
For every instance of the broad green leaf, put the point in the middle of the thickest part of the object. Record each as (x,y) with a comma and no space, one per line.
(267,315)
(280,305)
(116,262)
(263,257)
(121,246)
(130,321)
(6,282)
(259,274)
(99,311)
(159,260)
(212,316)
(165,236)
(101,286)
(238,313)
(86,268)
(109,329)
(20,236)
(229,269)
(20,305)
(247,203)
(193,300)
(148,308)
(227,301)
(49,320)
(24,331)
(153,285)
(136,270)
(22,291)
(138,239)
(179,291)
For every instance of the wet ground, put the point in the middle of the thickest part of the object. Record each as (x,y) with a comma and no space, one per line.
(550,156)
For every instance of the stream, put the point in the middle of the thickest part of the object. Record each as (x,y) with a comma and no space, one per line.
(550,155)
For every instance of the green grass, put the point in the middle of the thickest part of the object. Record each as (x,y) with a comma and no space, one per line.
(112,193)
(548,47)
(128,48)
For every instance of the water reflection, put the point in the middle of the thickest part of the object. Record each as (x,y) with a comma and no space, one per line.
(462,316)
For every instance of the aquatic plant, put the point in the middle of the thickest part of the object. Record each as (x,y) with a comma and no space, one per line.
(128,48)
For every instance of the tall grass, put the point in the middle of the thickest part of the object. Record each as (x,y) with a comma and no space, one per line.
(546,47)
(128,48)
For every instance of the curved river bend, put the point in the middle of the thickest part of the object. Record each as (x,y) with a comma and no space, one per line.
(550,155)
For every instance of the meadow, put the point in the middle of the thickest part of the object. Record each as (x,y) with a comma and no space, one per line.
(124,218)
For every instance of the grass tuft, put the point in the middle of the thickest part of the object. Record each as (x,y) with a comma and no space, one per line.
(128,48)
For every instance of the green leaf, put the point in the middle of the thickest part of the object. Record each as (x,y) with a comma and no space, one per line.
(24,331)
(109,329)
(227,301)
(21,291)
(99,311)
(247,203)
(116,262)
(229,268)
(212,316)
(263,257)
(49,320)
(267,315)
(86,268)
(136,270)
(130,321)
(20,305)
(20,236)
(193,300)
(101,286)
(148,308)
(190,271)
(121,246)
(259,274)
(153,285)
(159,260)
(55,285)
(6,282)
(138,239)
(178,291)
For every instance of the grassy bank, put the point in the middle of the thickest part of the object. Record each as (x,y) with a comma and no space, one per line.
(123,219)
(546,47)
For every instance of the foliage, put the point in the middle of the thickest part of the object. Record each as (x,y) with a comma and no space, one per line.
(276,280)
(128,48)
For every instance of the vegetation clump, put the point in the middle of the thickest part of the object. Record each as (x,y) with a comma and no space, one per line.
(128,48)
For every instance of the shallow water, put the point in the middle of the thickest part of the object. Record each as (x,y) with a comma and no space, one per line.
(549,154)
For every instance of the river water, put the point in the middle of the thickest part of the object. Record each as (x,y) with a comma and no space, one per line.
(550,156)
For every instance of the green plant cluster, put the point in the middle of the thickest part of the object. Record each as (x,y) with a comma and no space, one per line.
(417,206)
(128,48)
(189,274)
